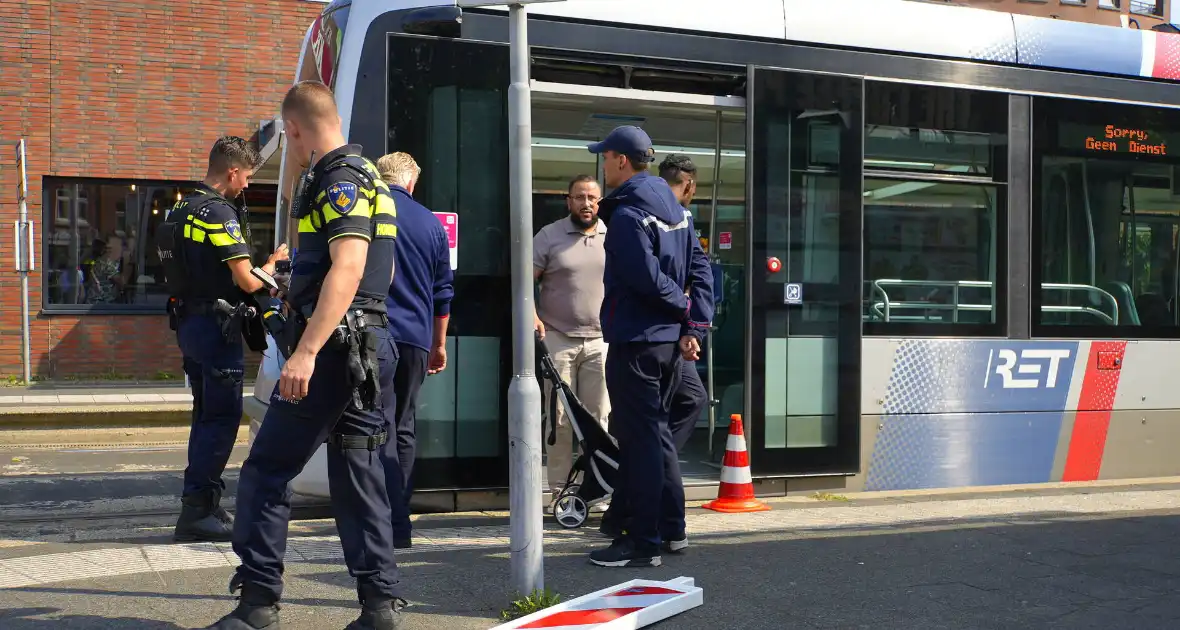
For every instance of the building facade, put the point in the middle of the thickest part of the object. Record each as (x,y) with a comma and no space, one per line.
(118,102)
(1143,14)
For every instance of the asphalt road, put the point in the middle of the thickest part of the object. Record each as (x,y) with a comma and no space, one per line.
(1043,569)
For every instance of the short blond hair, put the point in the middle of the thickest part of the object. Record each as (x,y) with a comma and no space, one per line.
(398,168)
(309,103)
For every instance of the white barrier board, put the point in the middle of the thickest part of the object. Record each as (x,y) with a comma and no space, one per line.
(625,606)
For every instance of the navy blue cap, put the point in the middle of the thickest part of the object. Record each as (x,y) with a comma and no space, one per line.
(628,140)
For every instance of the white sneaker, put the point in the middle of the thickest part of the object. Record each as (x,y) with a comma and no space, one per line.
(676,546)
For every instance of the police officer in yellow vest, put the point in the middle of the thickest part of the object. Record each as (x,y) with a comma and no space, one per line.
(339,357)
(207,265)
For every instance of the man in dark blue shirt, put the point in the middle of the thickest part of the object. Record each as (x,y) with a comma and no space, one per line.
(645,313)
(690,396)
(419,305)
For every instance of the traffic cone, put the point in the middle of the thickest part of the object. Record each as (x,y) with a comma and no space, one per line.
(736,493)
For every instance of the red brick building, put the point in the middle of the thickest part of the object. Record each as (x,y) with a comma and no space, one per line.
(118,102)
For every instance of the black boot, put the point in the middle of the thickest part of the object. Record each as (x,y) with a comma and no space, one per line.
(199,520)
(256,610)
(379,615)
(219,511)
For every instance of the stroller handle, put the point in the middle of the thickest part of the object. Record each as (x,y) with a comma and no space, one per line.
(541,347)
(548,369)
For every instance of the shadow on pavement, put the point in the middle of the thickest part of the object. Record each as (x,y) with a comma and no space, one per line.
(1106,572)
(23,619)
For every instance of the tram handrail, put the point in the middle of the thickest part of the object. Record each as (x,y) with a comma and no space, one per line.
(883,307)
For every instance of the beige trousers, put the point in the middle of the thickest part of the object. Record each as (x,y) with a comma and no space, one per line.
(581,362)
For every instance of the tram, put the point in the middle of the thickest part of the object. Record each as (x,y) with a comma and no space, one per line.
(945,238)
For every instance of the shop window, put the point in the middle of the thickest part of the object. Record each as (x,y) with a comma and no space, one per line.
(1108,216)
(100,247)
(934,208)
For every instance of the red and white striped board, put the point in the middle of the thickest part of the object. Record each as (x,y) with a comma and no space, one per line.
(625,606)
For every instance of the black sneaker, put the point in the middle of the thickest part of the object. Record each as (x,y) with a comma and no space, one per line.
(675,544)
(623,553)
(403,543)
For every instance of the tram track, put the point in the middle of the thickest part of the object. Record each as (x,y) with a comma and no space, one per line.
(308,511)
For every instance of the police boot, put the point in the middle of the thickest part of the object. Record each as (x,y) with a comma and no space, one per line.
(256,610)
(199,521)
(220,512)
(379,615)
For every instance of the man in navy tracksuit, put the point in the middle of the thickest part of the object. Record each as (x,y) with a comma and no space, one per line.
(690,396)
(645,310)
(419,305)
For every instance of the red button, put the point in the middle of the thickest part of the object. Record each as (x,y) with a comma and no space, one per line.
(774,265)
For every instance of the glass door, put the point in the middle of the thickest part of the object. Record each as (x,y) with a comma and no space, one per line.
(805,199)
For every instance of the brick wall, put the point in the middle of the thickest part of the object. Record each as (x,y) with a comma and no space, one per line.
(131,89)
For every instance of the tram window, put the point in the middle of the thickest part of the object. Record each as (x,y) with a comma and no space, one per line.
(1108,213)
(447,106)
(934,207)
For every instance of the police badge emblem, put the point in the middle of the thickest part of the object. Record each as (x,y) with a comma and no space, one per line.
(342,196)
(234,230)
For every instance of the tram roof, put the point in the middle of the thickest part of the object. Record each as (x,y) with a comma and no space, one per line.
(903,26)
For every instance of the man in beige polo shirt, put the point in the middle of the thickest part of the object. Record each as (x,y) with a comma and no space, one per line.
(568,262)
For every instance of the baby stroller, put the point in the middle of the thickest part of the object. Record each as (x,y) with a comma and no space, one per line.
(598,461)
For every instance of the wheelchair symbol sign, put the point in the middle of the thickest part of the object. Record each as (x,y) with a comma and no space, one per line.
(793,293)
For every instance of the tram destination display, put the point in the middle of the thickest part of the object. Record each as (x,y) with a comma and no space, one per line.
(1113,138)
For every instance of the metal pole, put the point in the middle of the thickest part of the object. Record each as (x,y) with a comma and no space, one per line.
(26,258)
(524,394)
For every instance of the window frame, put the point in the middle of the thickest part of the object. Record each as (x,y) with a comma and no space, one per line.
(1001,181)
(1038,152)
(1157,9)
(51,183)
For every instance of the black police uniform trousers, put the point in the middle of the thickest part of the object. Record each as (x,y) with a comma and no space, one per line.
(687,401)
(289,436)
(214,368)
(401,404)
(641,379)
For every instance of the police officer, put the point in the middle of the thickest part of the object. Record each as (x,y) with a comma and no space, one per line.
(645,310)
(339,358)
(206,258)
(419,305)
(690,396)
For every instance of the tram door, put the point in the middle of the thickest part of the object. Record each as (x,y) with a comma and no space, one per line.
(710,131)
(805,215)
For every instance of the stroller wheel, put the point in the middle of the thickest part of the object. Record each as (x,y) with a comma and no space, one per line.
(570,510)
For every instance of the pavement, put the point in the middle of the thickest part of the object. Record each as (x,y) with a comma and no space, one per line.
(98,403)
(86,515)
(1064,556)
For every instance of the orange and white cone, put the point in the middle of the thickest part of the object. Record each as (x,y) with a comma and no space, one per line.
(736,493)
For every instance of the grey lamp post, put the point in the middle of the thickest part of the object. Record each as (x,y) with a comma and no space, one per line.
(524,393)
